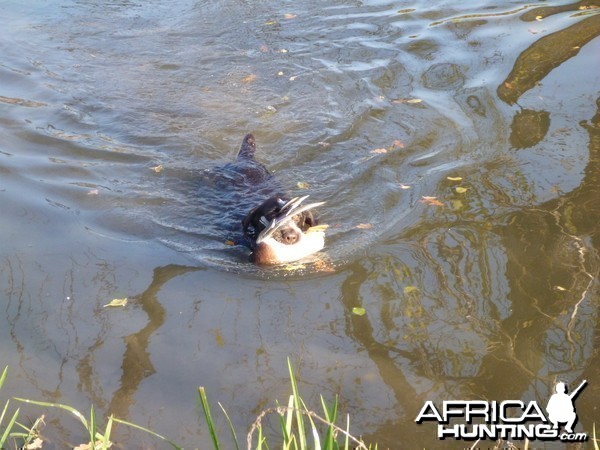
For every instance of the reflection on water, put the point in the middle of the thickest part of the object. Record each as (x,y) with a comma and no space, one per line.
(137,363)
(486,291)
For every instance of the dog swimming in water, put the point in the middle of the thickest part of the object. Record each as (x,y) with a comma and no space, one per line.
(279,230)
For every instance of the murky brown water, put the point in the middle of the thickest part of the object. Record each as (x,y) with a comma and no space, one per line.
(485,293)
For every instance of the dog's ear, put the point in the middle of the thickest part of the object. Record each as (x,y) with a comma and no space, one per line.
(260,217)
(247,221)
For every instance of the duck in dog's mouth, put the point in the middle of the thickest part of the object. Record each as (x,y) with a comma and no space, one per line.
(278,230)
(283,231)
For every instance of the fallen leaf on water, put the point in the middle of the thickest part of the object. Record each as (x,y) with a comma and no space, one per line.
(229,242)
(322,227)
(398,143)
(35,444)
(271,22)
(454,178)
(432,201)
(249,79)
(280,73)
(303,185)
(379,150)
(289,16)
(457,204)
(404,186)
(219,340)
(117,302)
(560,288)
(263,48)
(97,445)
(364,226)
(358,311)
(93,192)
(324,144)
(539,18)
(282,50)
(323,266)
(291,267)
(21,102)
(407,100)
(293,78)
(157,169)
(460,189)
(410,289)
(87,446)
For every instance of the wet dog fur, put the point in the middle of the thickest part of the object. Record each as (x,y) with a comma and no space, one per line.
(259,218)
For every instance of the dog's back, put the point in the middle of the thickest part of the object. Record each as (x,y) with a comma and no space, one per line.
(251,179)
(245,171)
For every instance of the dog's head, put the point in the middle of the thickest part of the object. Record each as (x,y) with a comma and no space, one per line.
(277,231)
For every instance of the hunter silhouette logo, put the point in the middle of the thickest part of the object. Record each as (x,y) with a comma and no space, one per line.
(561,408)
(509,419)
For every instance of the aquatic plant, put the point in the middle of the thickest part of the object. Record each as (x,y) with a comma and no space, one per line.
(27,438)
(99,440)
(298,425)
(301,428)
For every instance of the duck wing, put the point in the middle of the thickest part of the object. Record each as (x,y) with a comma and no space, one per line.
(289,210)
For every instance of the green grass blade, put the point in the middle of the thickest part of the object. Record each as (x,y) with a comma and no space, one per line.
(315,433)
(8,428)
(3,377)
(107,432)
(259,444)
(326,409)
(299,416)
(289,417)
(26,435)
(60,406)
(284,427)
(30,433)
(314,429)
(331,417)
(230,427)
(347,441)
(594,436)
(284,435)
(4,411)
(153,433)
(92,428)
(209,420)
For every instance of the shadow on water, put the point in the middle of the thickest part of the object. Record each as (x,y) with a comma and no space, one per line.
(536,62)
(548,330)
(137,364)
